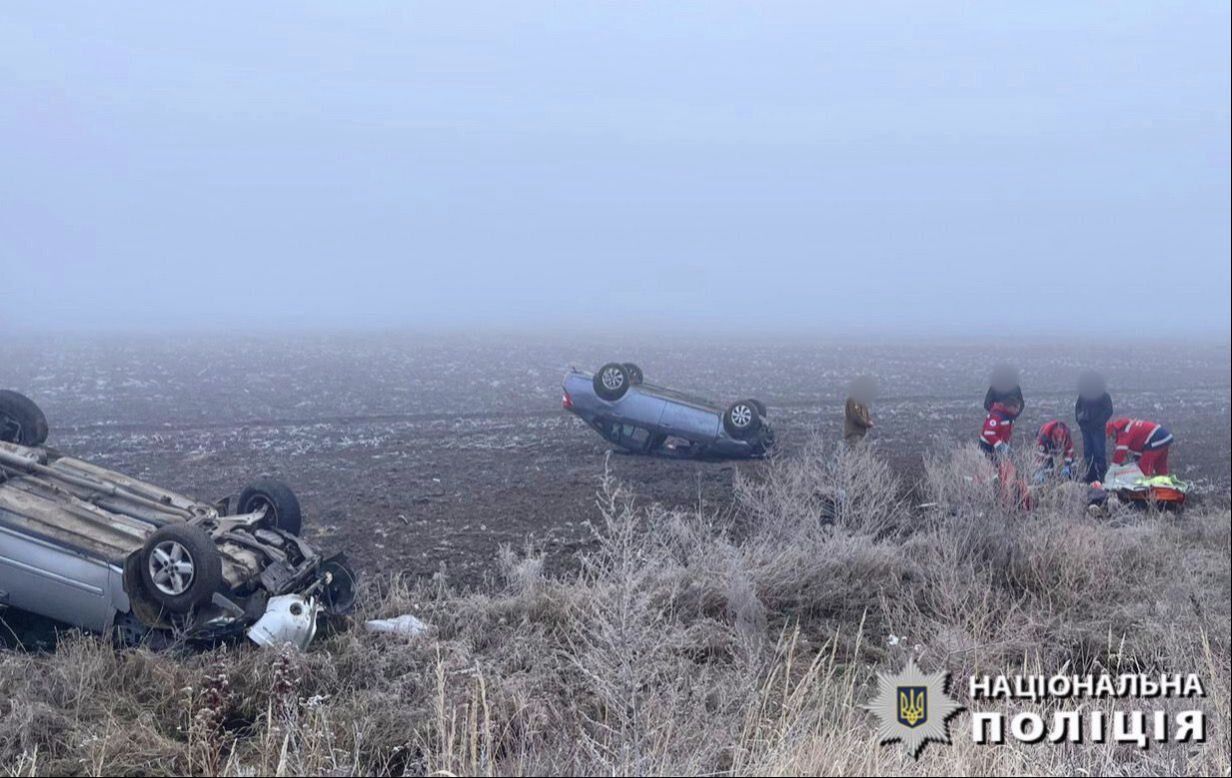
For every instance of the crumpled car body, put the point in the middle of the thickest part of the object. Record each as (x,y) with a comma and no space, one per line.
(646,418)
(74,538)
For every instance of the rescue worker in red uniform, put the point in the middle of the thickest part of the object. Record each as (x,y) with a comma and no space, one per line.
(995,440)
(1056,450)
(998,429)
(1145,441)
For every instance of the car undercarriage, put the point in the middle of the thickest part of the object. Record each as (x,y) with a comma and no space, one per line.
(101,551)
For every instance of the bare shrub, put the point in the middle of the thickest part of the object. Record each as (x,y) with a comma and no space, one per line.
(688,643)
(849,486)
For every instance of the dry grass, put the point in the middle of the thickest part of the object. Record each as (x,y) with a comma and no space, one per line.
(687,644)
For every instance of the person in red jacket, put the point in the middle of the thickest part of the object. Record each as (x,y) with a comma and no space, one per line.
(998,429)
(1146,441)
(1056,449)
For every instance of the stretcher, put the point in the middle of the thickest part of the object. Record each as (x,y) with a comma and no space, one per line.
(1129,484)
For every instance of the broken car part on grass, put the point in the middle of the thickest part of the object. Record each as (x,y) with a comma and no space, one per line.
(98,550)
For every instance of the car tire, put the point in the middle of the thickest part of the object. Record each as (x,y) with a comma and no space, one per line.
(21,420)
(612,381)
(635,373)
(282,506)
(338,596)
(742,419)
(181,567)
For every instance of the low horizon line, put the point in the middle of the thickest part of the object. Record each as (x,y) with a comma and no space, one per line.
(555,332)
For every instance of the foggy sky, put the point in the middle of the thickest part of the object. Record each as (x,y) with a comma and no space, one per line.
(812,167)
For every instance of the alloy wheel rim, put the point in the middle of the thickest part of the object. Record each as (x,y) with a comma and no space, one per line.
(742,415)
(171,568)
(612,379)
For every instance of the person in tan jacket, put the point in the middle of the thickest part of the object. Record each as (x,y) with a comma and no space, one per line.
(857,420)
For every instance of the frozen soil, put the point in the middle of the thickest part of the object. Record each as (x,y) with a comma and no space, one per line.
(424,455)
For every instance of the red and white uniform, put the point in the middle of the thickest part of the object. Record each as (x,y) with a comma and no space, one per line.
(1145,441)
(998,428)
(1054,440)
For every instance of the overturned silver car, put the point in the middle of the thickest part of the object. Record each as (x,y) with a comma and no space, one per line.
(104,552)
(646,418)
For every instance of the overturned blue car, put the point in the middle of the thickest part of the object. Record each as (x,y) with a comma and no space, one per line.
(644,418)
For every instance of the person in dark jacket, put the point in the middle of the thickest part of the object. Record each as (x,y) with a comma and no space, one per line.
(1003,387)
(1092,411)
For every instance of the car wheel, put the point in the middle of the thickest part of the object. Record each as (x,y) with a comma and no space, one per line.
(742,419)
(280,503)
(181,567)
(612,381)
(635,373)
(21,420)
(338,596)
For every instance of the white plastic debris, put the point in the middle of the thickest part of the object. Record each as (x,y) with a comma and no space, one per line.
(406,625)
(289,619)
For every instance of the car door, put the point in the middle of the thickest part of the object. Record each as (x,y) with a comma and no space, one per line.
(639,407)
(53,581)
(634,437)
(689,421)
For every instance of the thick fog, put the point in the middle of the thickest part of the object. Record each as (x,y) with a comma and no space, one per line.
(799,167)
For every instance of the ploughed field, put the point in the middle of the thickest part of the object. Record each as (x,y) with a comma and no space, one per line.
(425,454)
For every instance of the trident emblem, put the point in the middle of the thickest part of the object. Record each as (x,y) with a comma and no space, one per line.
(912,705)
